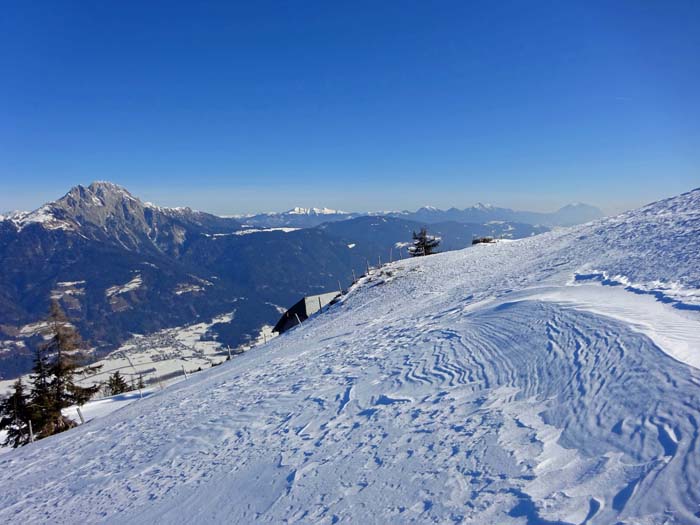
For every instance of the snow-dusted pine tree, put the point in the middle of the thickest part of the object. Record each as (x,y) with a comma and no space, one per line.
(423,244)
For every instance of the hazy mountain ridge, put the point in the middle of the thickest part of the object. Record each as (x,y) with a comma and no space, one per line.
(105,205)
(568,215)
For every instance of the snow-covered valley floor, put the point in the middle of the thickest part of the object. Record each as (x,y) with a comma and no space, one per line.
(551,380)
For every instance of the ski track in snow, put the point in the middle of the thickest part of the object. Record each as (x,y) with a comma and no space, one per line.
(470,387)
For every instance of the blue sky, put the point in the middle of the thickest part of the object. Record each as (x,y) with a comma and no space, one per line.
(244,106)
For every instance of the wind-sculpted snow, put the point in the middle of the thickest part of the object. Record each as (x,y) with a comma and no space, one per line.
(655,248)
(483,386)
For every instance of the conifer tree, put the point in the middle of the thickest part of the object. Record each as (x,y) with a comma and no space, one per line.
(116,384)
(15,416)
(55,368)
(423,244)
(41,405)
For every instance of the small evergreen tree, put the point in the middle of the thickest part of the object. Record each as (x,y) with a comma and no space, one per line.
(65,342)
(116,384)
(423,244)
(56,363)
(15,415)
(55,368)
(41,405)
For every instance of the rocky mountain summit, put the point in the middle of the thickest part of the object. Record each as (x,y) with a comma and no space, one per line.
(104,211)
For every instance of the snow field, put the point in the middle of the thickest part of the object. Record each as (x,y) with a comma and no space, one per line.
(483,386)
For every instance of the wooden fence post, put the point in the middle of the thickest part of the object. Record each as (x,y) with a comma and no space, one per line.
(80,415)
(135,372)
(354,279)
(31,432)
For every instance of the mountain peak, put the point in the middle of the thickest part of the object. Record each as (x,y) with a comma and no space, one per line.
(106,211)
(61,214)
(314,211)
(107,186)
(577,213)
(100,194)
(108,194)
(577,205)
(111,189)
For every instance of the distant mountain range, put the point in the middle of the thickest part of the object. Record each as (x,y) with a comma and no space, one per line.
(296,218)
(120,266)
(480,213)
(567,216)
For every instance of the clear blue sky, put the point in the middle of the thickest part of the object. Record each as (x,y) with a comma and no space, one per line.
(244,106)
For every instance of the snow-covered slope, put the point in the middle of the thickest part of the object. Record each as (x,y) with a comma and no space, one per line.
(550,380)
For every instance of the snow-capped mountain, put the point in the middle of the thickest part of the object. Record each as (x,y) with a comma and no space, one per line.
(108,212)
(569,215)
(478,214)
(576,213)
(298,217)
(315,211)
(553,379)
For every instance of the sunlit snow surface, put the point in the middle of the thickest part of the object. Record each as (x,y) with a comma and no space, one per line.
(541,381)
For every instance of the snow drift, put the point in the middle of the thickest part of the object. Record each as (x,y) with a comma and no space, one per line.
(550,380)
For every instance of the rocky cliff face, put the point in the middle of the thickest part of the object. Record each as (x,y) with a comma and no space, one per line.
(106,212)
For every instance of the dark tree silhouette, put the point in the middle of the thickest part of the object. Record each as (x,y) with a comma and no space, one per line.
(41,404)
(57,363)
(15,416)
(423,244)
(116,384)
